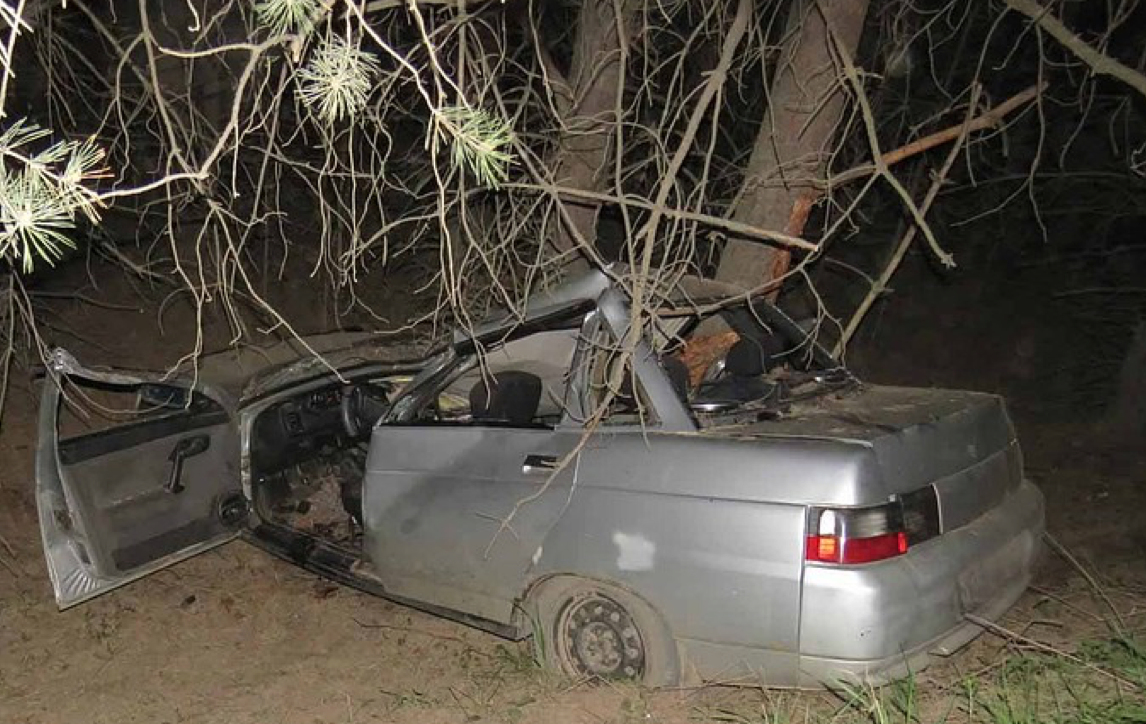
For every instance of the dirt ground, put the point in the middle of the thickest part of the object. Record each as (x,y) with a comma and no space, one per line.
(235,636)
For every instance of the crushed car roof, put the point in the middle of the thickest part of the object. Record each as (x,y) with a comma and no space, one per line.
(249,371)
(560,300)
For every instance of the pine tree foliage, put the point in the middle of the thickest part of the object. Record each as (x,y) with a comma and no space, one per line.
(41,193)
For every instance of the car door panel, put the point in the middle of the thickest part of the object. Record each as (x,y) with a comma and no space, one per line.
(129,503)
(111,506)
(435,499)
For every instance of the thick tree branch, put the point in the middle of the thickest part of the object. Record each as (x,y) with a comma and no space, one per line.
(989,119)
(1099,62)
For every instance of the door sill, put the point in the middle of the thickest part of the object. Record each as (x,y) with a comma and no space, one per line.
(348,568)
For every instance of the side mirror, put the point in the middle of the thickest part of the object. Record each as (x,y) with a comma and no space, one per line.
(164,397)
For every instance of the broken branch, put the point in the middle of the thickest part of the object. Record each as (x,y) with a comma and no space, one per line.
(986,120)
(879,285)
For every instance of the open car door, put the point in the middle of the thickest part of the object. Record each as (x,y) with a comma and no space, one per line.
(157,484)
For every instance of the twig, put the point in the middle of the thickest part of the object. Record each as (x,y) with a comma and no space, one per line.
(1100,290)
(1119,625)
(17,23)
(1059,599)
(11,569)
(735,227)
(11,553)
(879,285)
(881,168)
(1100,63)
(1047,648)
(83,298)
(7,546)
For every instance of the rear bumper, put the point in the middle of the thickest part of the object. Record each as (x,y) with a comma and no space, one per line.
(817,671)
(881,622)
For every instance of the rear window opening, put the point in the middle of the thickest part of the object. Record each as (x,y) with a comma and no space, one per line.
(745,363)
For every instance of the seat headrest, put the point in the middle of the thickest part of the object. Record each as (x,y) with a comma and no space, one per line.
(677,372)
(752,357)
(511,396)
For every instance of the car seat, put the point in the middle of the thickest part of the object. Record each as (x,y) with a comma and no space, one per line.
(744,366)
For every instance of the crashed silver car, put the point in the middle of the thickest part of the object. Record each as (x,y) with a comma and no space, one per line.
(771,517)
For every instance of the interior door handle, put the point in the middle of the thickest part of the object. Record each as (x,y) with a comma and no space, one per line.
(188,447)
(537,464)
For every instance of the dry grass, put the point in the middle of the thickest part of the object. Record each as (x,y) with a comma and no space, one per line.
(238,637)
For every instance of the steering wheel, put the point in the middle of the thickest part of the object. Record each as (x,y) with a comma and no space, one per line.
(362,404)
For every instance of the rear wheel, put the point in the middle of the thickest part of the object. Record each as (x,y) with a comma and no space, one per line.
(585,628)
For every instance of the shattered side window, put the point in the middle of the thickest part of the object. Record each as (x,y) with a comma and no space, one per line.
(519,383)
(87,407)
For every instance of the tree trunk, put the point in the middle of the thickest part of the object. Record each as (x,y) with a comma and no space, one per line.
(806,102)
(595,69)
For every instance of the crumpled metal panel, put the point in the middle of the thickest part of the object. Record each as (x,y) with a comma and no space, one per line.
(586,288)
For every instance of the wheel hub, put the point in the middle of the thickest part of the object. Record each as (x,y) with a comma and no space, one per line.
(598,637)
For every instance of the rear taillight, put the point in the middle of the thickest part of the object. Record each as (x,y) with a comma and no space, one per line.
(864,535)
(836,549)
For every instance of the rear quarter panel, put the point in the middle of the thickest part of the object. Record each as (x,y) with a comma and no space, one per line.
(718,570)
(879,612)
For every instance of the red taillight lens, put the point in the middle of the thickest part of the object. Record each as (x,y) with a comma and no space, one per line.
(856,535)
(833,549)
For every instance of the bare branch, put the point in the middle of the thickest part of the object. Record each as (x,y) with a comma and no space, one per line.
(1099,62)
(733,227)
(988,119)
(881,168)
(878,286)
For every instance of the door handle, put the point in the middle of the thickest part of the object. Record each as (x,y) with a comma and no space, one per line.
(188,447)
(537,464)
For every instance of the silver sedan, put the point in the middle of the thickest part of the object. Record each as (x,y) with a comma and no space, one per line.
(640,513)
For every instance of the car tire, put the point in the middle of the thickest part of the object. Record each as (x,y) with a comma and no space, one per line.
(589,629)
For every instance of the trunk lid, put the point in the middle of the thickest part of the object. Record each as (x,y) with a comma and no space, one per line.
(961,442)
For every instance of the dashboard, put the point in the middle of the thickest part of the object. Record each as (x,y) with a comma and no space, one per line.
(313,412)
(312,423)
(298,429)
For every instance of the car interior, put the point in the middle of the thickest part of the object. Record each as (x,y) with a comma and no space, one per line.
(308,452)
(520,383)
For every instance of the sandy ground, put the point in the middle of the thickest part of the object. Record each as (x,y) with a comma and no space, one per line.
(235,636)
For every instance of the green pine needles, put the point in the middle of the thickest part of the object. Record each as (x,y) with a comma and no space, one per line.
(41,193)
(479,143)
(337,80)
(283,17)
